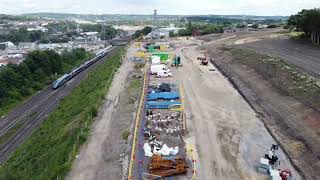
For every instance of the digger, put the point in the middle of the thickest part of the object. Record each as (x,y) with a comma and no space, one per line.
(204,60)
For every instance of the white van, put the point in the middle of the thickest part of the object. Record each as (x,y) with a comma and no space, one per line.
(154,69)
(161,74)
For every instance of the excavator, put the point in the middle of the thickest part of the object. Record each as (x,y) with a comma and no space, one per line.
(204,60)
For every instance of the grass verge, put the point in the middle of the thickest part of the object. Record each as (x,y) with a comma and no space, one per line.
(282,75)
(296,35)
(51,149)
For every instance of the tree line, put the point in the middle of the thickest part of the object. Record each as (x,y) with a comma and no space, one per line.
(146,30)
(38,69)
(201,29)
(22,35)
(307,21)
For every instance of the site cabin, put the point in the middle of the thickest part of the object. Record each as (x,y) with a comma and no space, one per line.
(154,69)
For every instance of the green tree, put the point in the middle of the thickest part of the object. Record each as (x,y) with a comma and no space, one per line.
(189,29)
(307,21)
(38,69)
(146,30)
(172,34)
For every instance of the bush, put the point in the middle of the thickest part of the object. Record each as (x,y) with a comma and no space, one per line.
(125,135)
(139,66)
(272,26)
(146,30)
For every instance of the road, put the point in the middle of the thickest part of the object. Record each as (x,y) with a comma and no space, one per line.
(33,112)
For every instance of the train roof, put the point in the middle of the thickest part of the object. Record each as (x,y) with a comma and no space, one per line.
(63,77)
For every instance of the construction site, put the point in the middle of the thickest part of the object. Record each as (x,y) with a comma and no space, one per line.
(206,113)
(197,121)
(115,90)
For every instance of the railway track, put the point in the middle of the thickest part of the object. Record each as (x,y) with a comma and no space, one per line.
(35,111)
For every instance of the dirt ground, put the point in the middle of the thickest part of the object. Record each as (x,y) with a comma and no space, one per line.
(293,124)
(228,136)
(105,154)
(300,53)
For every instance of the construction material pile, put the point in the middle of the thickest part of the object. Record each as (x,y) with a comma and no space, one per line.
(172,124)
(167,166)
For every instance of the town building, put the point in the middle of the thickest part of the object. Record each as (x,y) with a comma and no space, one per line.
(6,45)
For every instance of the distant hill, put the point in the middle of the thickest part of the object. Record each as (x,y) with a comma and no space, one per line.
(237,19)
(102,17)
(121,17)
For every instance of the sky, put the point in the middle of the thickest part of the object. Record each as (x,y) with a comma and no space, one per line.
(172,7)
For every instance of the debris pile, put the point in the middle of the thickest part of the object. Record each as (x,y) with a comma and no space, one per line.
(157,124)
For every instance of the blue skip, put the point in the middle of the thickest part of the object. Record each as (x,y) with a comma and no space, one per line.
(162,105)
(163,95)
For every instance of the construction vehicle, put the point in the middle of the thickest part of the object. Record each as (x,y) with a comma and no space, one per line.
(176,62)
(270,163)
(204,60)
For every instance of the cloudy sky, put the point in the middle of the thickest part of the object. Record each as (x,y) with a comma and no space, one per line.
(182,7)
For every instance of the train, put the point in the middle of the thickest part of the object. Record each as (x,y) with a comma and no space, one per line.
(66,77)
